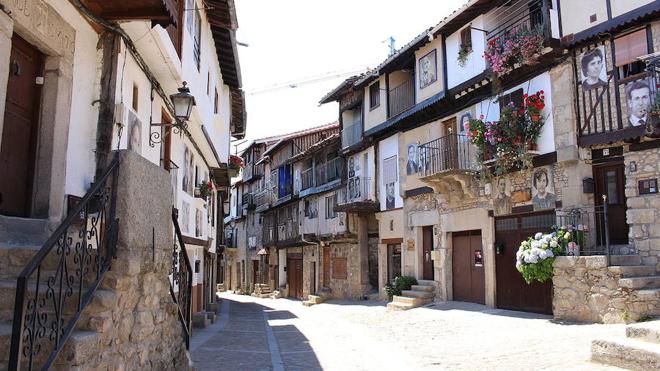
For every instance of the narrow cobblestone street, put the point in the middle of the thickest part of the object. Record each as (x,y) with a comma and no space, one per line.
(281,334)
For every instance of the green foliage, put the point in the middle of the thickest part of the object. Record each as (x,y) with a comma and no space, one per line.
(463,53)
(399,284)
(541,271)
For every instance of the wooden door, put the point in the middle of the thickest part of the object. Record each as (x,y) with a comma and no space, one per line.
(427,247)
(449,144)
(468,275)
(512,291)
(609,181)
(255,272)
(295,277)
(19,133)
(326,267)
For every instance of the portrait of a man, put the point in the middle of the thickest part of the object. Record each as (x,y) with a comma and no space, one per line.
(543,196)
(502,199)
(357,187)
(351,188)
(594,71)
(198,223)
(185,217)
(412,166)
(638,98)
(351,167)
(389,196)
(427,69)
(186,172)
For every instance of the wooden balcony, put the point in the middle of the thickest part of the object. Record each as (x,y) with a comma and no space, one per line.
(163,12)
(357,196)
(401,97)
(448,165)
(603,116)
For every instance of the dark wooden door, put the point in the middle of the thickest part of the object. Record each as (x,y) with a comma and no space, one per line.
(255,272)
(512,291)
(427,247)
(609,181)
(295,277)
(326,267)
(19,133)
(468,267)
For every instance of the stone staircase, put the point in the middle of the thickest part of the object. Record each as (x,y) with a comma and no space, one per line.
(262,290)
(638,350)
(20,240)
(418,295)
(312,300)
(642,281)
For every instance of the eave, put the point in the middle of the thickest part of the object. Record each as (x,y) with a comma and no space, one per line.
(162,12)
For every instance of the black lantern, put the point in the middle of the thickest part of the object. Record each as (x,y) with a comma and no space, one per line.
(183,103)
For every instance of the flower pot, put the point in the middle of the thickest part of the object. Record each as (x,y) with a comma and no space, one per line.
(532,146)
(536,118)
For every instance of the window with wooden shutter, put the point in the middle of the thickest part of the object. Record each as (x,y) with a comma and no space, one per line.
(629,47)
(390,170)
(374,95)
(466,38)
(339,268)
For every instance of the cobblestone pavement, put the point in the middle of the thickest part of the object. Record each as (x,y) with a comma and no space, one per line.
(281,334)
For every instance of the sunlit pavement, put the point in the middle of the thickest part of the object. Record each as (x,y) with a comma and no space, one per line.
(281,334)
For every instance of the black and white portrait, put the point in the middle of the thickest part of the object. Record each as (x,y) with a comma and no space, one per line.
(638,102)
(134,133)
(389,196)
(198,223)
(412,166)
(185,217)
(543,192)
(351,167)
(464,121)
(593,68)
(428,73)
(357,188)
(502,197)
(351,188)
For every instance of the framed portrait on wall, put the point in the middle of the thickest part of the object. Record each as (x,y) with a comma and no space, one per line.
(502,202)
(639,99)
(428,69)
(593,68)
(134,132)
(412,165)
(543,190)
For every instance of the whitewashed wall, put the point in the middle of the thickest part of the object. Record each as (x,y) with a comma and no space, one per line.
(437,86)
(491,110)
(476,63)
(378,115)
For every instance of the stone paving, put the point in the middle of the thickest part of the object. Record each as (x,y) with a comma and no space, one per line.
(281,334)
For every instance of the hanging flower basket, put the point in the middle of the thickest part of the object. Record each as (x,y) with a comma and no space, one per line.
(519,45)
(235,165)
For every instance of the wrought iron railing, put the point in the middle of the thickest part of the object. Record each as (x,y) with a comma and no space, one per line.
(181,280)
(451,152)
(248,200)
(351,134)
(589,227)
(59,282)
(515,16)
(307,178)
(401,97)
(265,197)
(357,189)
(329,171)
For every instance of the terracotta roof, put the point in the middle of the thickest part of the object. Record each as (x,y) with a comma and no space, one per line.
(300,133)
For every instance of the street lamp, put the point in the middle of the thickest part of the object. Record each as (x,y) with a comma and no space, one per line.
(183,103)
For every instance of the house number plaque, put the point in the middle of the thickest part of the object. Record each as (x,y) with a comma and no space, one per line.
(648,186)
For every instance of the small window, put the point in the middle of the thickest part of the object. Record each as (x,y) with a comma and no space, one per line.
(374,95)
(330,203)
(136,97)
(208,83)
(466,38)
(515,96)
(197,264)
(215,102)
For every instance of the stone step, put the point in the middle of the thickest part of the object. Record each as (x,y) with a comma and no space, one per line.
(626,260)
(411,300)
(648,295)
(417,294)
(102,300)
(15,230)
(626,353)
(397,306)
(14,258)
(633,270)
(76,350)
(422,288)
(640,282)
(646,331)
(425,282)
(315,299)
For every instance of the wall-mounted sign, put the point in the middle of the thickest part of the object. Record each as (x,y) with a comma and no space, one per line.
(411,244)
(648,186)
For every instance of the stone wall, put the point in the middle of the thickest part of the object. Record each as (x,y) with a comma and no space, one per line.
(587,290)
(643,215)
(142,330)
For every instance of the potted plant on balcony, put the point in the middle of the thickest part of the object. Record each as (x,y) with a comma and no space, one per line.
(235,165)
(204,189)
(519,45)
(463,53)
(533,107)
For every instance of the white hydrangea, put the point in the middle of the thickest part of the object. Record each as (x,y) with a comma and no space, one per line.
(538,236)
